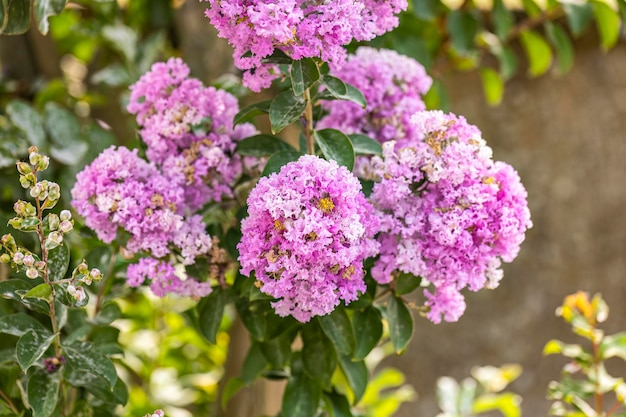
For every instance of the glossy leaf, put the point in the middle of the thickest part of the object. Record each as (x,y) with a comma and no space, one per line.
(108,313)
(335,146)
(538,52)
(368,329)
(343,91)
(613,346)
(62,125)
(304,73)
(122,39)
(579,15)
(254,364)
(503,19)
(43,392)
(339,330)
(15,17)
(210,313)
(356,374)
(406,283)
(562,46)
(262,145)
(285,109)
(608,23)
(249,112)
(493,85)
(44,9)
(19,323)
(96,385)
(302,396)
(41,291)
(338,404)
(278,57)
(463,27)
(278,160)
(27,119)
(85,356)
(400,323)
(31,346)
(277,351)
(318,354)
(364,145)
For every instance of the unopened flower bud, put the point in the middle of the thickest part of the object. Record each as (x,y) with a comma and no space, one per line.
(15,223)
(33,158)
(54,191)
(43,163)
(5,258)
(77,292)
(18,258)
(29,260)
(33,148)
(8,241)
(65,215)
(32,273)
(82,268)
(66,226)
(40,265)
(53,221)
(18,207)
(37,190)
(27,181)
(54,240)
(24,168)
(95,274)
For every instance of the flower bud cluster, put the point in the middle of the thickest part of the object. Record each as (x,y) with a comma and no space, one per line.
(21,258)
(157,413)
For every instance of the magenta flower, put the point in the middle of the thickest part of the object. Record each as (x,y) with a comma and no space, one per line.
(308,231)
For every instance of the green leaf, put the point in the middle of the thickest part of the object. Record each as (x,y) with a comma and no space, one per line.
(277,351)
(278,160)
(338,404)
(304,73)
(400,323)
(507,60)
(19,323)
(43,392)
(343,91)
(538,52)
(562,46)
(507,403)
(45,9)
(426,9)
(96,385)
(339,330)
(503,19)
(579,15)
(108,313)
(210,313)
(15,17)
(31,346)
(285,109)
(233,386)
(301,397)
(493,86)
(335,146)
(62,125)
(83,355)
(262,145)
(254,364)
(41,291)
(608,23)
(357,375)
(364,145)
(13,289)
(463,27)
(318,354)
(532,8)
(278,57)
(122,39)
(27,119)
(114,75)
(407,283)
(613,346)
(368,329)
(249,112)
(253,315)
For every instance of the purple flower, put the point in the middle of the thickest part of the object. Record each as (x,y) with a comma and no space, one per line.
(164,279)
(308,230)
(448,213)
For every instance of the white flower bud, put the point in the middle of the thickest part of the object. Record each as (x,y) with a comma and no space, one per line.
(66,226)
(65,215)
(18,258)
(29,260)
(32,273)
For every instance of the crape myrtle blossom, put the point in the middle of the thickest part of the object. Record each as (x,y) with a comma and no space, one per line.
(164,279)
(300,28)
(308,230)
(448,212)
(188,130)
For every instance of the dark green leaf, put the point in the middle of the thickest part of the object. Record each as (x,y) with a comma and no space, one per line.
(43,392)
(338,405)
(343,91)
(426,9)
(532,8)
(41,291)
(253,315)
(15,17)
(285,109)
(210,313)
(463,27)
(96,385)
(27,119)
(508,62)
(262,145)
(335,146)
(608,23)
(85,356)
(357,375)
(31,346)
(406,283)
(277,351)
(301,397)
(14,289)
(368,329)
(304,73)
(114,75)
(45,9)
(249,112)
(318,355)
(122,39)
(254,364)
(19,323)
(538,52)
(579,15)
(233,386)
(364,145)
(400,323)
(278,57)
(339,330)
(493,86)
(562,46)
(278,160)
(62,125)
(108,313)
(503,19)
(622,8)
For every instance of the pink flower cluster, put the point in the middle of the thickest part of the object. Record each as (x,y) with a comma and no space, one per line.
(300,28)
(308,231)
(188,130)
(393,86)
(448,212)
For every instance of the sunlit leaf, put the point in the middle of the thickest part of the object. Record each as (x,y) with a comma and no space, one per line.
(538,52)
